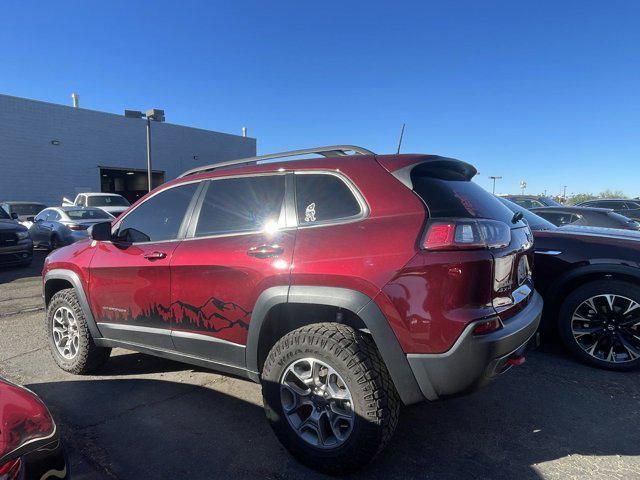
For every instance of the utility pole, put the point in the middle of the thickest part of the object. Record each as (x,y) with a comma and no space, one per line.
(157,116)
(564,195)
(494,178)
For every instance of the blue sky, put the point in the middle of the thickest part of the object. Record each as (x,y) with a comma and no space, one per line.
(542,91)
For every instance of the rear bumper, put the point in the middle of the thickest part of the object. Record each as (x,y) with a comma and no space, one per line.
(475,359)
(20,253)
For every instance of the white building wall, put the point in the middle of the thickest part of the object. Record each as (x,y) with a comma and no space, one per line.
(32,168)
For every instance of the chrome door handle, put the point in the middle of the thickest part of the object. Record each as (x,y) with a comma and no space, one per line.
(155,255)
(265,251)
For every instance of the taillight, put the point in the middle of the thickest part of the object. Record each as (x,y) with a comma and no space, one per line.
(489,326)
(74,226)
(466,234)
(23,418)
(11,469)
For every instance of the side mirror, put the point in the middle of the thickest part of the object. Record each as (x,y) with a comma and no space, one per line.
(30,219)
(100,231)
(14,215)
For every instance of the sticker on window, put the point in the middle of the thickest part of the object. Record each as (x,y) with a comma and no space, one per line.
(310,213)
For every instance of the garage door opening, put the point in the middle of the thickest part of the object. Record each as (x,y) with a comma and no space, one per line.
(130,183)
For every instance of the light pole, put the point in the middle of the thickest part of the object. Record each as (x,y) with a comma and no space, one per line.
(157,116)
(523,186)
(494,178)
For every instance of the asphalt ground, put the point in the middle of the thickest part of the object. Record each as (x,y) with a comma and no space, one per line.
(143,417)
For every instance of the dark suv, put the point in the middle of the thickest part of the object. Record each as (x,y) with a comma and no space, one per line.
(16,247)
(346,285)
(628,208)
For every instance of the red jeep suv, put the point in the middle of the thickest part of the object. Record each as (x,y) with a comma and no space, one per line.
(347,285)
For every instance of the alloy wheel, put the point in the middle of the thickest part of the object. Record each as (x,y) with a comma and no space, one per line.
(317,403)
(607,327)
(65,332)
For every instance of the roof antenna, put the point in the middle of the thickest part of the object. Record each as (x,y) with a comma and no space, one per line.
(401,135)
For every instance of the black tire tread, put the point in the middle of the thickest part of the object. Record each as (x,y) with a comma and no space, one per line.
(90,357)
(365,363)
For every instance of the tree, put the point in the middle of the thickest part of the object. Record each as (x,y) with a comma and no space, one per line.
(585,197)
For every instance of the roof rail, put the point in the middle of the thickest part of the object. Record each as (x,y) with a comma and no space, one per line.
(329,151)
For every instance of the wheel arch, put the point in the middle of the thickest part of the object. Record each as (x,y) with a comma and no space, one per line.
(280,310)
(583,275)
(61,279)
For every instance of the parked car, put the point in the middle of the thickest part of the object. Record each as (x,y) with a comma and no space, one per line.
(408,283)
(586,217)
(25,211)
(16,247)
(590,280)
(56,227)
(111,203)
(532,201)
(628,208)
(30,446)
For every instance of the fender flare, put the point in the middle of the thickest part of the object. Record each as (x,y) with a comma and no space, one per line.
(362,305)
(73,278)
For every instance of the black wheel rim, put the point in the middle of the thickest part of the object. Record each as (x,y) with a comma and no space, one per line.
(607,327)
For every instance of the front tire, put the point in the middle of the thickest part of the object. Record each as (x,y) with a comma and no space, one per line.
(329,397)
(70,341)
(599,323)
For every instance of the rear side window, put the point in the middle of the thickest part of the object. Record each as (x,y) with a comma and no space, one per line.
(459,199)
(158,218)
(324,198)
(241,205)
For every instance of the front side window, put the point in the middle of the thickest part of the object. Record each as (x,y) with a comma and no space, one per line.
(159,218)
(3,214)
(42,215)
(246,204)
(324,198)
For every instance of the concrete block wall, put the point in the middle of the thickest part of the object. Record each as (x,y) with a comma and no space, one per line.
(32,168)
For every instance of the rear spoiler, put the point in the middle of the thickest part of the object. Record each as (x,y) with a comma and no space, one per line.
(434,166)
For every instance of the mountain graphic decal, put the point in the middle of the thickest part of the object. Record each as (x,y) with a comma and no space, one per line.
(213,316)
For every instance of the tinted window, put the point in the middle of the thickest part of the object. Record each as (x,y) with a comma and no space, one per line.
(88,214)
(632,205)
(42,215)
(534,221)
(3,214)
(613,204)
(528,203)
(241,205)
(158,218)
(322,198)
(459,199)
(108,201)
(559,218)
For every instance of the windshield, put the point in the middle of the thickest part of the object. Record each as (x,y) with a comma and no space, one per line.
(534,221)
(88,214)
(107,201)
(28,208)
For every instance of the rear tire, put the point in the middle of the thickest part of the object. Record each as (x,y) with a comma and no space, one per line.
(355,383)
(70,341)
(609,342)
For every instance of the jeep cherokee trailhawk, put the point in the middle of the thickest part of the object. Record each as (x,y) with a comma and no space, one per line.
(347,285)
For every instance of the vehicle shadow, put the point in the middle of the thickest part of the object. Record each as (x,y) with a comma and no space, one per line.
(547,410)
(12,273)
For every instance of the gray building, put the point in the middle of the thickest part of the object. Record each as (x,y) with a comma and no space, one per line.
(50,151)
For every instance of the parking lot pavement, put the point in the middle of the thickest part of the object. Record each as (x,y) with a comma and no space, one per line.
(143,417)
